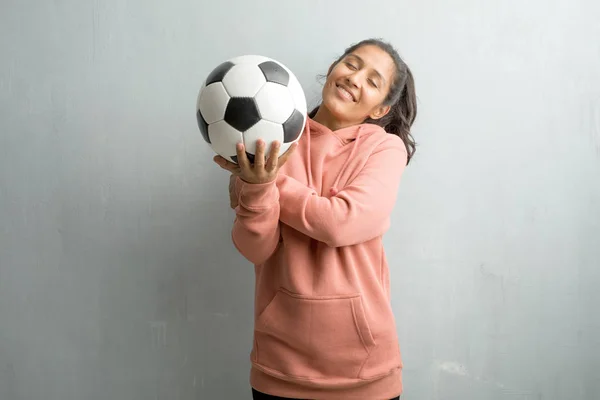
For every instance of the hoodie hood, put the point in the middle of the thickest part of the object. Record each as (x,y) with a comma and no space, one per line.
(345,135)
(350,135)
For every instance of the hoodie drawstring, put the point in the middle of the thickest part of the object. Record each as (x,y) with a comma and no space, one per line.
(308,159)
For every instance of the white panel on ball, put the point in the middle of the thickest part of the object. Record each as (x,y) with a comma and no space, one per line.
(275,102)
(284,147)
(244,80)
(213,102)
(297,94)
(265,130)
(224,138)
(202,87)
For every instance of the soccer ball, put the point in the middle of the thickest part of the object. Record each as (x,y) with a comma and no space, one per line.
(247,98)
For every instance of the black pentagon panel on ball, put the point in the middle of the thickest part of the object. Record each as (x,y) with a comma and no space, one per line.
(274,73)
(250,158)
(203,126)
(242,113)
(292,128)
(218,73)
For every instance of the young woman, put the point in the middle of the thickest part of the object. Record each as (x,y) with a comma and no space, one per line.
(312,221)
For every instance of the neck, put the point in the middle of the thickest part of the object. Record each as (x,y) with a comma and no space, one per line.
(324,117)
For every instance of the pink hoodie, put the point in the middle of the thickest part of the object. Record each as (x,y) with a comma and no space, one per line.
(324,327)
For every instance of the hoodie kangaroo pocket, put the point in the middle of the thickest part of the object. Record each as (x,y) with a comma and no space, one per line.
(320,339)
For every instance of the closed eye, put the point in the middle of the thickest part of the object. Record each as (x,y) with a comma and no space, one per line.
(351,66)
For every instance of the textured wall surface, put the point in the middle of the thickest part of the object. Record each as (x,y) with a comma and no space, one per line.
(118,279)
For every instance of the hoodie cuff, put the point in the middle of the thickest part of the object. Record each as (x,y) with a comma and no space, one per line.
(257,196)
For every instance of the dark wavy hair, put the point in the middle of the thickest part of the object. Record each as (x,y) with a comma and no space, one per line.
(402,97)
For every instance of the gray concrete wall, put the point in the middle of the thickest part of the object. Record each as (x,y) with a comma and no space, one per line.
(118,279)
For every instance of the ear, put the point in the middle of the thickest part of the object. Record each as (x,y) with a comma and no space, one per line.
(380,112)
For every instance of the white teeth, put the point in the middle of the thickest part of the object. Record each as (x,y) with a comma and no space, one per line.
(346,93)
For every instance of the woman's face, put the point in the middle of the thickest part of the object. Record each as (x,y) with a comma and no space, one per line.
(358,84)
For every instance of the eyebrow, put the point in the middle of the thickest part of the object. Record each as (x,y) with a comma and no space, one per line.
(363,61)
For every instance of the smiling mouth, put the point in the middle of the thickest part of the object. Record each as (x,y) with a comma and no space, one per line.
(346,93)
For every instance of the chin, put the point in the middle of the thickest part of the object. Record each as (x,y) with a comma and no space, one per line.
(336,108)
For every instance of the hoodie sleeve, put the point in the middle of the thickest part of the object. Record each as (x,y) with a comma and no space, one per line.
(255,230)
(357,213)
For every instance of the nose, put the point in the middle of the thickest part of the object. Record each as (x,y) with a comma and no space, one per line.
(357,78)
(352,80)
